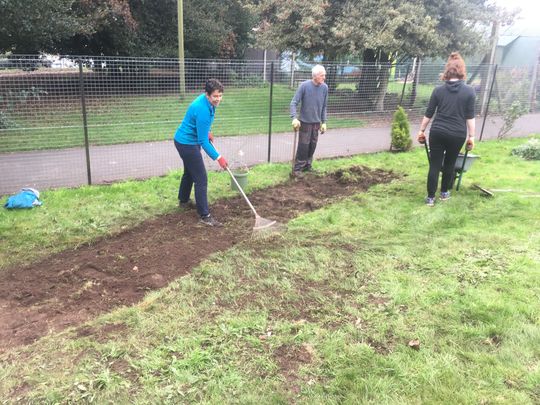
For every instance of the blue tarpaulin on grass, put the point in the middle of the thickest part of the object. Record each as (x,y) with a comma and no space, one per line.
(26,198)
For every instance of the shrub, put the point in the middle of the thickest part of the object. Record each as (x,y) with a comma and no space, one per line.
(11,99)
(511,114)
(401,133)
(246,80)
(529,151)
(6,122)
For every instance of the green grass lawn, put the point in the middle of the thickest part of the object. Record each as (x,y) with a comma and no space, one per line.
(321,315)
(423,91)
(47,124)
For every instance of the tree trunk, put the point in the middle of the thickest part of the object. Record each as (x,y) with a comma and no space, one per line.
(416,78)
(367,83)
(331,71)
(384,73)
(374,80)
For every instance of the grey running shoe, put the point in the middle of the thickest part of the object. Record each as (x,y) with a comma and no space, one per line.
(430,201)
(445,195)
(210,221)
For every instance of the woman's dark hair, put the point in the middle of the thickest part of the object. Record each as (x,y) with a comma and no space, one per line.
(455,67)
(212,85)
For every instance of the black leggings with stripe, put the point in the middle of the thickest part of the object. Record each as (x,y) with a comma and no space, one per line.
(443,147)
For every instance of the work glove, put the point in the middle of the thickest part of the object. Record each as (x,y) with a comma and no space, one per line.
(211,137)
(222,162)
(323,127)
(421,137)
(470,144)
(295,124)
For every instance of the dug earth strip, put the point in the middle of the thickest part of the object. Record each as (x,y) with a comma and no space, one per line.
(73,286)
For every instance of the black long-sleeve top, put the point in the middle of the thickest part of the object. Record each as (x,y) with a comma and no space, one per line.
(454,103)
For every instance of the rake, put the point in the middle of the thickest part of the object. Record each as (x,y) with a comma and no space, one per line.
(262,225)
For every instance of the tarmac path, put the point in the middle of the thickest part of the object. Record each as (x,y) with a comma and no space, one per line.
(67,167)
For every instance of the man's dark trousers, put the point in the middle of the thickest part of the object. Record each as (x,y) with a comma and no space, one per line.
(308,137)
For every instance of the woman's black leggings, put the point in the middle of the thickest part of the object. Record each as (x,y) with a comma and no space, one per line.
(442,147)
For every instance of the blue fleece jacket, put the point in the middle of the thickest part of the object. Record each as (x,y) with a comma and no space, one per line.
(196,124)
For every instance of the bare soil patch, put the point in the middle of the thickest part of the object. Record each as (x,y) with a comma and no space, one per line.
(289,360)
(70,287)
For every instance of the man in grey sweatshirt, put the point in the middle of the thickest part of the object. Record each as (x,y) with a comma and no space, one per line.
(312,95)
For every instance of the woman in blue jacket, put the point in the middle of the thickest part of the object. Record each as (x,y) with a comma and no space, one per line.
(192,134)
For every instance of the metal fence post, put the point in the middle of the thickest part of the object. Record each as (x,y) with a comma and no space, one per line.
(292,71)
(85,123)
(488,101)
(532,90)
(270,112)
(264,66)
(404,84)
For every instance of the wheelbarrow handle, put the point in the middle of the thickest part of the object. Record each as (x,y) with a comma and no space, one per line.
(427,151)
(462,168)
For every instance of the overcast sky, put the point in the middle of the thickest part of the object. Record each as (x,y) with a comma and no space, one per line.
(527,19)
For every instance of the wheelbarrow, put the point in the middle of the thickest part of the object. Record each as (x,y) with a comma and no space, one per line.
(463,164)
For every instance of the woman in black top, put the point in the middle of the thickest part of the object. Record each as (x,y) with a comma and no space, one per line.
(453,103)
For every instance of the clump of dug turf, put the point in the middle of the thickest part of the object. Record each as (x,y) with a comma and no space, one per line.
(359,174)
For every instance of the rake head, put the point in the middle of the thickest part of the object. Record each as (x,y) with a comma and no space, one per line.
(265,227)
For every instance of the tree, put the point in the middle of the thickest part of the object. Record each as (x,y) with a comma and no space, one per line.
(33,26)
(300,25)
(110,29)
(376,29)
(213,28)
(157,30)
(65,26)
(216,28)
(391,27)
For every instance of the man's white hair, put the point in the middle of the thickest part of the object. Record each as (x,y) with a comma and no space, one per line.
(317,69)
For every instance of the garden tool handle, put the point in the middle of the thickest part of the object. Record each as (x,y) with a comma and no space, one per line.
(294,149)
(240,188)
(242,192)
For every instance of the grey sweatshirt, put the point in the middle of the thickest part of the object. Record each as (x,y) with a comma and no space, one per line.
(313,102)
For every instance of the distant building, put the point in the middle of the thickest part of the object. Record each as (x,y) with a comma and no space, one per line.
(518,46)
